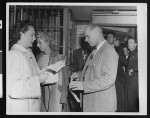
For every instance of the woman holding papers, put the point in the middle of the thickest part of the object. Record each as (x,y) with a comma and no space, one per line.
(53,90)
(23,74)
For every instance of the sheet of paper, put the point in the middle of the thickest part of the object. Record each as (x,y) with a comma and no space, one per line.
(56,66)
(74,95)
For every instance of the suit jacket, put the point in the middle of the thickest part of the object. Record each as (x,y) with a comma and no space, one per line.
(99,80)
(121,62)
(132,64)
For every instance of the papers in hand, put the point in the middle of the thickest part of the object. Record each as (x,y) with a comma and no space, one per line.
(74,95)
(52,78)
(56,66)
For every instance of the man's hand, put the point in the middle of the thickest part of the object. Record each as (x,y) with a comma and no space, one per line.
(75,76)
(76,85)
(130,72)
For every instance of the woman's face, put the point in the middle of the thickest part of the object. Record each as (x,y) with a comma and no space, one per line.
(28,37)
(42,44)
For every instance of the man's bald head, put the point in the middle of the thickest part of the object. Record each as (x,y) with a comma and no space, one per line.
(94,34)
(95,27)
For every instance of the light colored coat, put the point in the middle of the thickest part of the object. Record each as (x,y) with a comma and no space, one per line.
(99,81)
(23,85)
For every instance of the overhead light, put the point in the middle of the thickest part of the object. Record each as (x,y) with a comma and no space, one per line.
(114,12)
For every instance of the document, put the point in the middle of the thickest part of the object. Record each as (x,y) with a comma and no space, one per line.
(56,66)
(74,95)
(52,72)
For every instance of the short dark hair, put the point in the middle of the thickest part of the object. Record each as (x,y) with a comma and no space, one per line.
(111,32)
(82,42)
(14,35)
(130,37)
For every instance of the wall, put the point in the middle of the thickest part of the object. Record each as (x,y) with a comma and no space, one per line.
(80,31)
(122,20)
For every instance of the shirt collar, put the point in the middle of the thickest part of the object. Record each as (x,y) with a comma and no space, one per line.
(20,48)
(100,45)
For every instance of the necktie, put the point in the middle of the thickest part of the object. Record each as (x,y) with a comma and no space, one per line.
(92,55)
(90,59)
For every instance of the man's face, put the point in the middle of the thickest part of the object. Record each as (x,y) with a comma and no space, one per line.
(91,36)
(110,38)
(116,42)
(131,44)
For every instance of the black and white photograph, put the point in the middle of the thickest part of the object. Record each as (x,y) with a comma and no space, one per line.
(76,58)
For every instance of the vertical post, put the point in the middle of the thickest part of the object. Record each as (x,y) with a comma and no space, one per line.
(45,20)
(14,14)
(32,14)
(39,19)
(21,14)
(65,45)
(26,14)
(65,32)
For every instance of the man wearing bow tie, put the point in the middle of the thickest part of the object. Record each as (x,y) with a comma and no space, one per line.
(97,80)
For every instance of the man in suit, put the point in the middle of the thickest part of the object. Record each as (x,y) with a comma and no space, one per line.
(131,81)
(97,80)
(122,62)
(79,57)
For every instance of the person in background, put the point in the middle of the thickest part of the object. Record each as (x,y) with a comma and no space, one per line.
(80,55)
(23,74)
(97,80)
(124,46)
(114,42)
(131,81)
(53,94)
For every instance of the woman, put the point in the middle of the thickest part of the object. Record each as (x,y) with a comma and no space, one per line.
(51,93)
(23,75)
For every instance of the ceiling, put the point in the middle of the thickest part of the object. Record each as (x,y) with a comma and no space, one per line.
(85,12)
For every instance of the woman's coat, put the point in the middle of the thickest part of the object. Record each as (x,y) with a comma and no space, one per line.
(23,85)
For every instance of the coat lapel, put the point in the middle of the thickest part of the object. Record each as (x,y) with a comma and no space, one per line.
(93,60)
(85,66)
(98,53)
(29,56)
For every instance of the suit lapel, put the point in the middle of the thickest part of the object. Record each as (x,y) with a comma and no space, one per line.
(93,60)
(98,53)
(85,66)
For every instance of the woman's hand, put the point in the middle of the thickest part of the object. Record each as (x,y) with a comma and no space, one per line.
(43,76)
